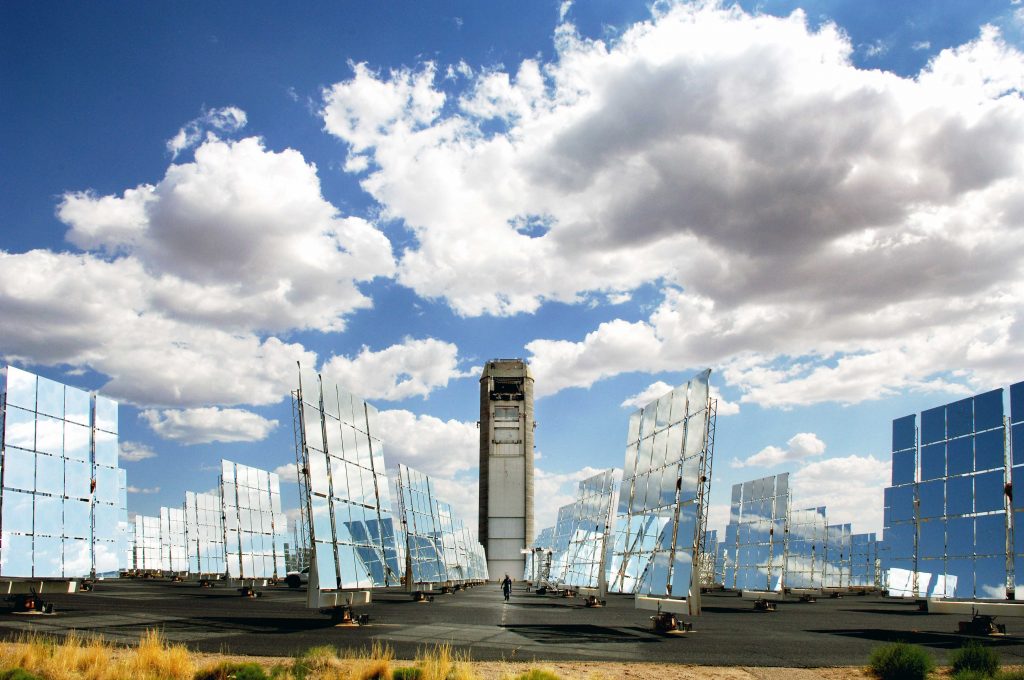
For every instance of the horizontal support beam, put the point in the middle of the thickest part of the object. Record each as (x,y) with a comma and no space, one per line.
(28,586)
(972,607)
(662,604)
(344,598)
(767,595)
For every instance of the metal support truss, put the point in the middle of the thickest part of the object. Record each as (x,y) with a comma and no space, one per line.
(704,490)
(305,531)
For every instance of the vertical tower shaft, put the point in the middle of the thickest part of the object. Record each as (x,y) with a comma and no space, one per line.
(506,465)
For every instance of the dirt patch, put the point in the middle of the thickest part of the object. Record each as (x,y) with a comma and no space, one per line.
(580,670)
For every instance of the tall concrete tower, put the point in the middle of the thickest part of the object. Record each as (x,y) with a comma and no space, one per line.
(506,465)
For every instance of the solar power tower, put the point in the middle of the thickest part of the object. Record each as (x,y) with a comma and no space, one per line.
(61,488)
(662,515)
(506,465)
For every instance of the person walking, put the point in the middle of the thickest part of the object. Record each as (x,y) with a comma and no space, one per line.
(506,587)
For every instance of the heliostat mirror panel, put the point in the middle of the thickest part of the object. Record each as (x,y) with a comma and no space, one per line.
(61,495)
(204,529)
(660,510)
(345,485)
(592,524)
(761,510)
(255,528)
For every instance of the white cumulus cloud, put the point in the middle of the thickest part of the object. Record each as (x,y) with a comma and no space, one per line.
(143,490)
(415,367)
(133,452)
(228,119)
(209,424)
(435,447)
(660,387)
(184,285)
(288,473)
(851,488)
(799,447)
(807,219)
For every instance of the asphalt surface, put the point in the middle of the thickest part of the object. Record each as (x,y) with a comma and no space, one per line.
(829,632)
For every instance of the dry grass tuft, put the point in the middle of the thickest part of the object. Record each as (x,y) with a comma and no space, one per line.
(155,659)
(74,658)
(442,663)
(29,652)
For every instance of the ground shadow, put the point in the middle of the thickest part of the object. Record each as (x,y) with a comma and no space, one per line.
(887,612)
(947,641)
(576,634)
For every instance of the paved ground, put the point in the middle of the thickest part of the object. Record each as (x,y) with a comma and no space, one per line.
(730,633)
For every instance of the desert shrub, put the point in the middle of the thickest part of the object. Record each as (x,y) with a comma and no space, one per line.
(18,674)
(315,661)
(900,661)
(280,671)
(441,662)
(228,670)
(537,674)
(970,675)
(406,673)
(975,657)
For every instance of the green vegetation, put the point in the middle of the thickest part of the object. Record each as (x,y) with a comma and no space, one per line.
(537,674)
(18,674)
(970,675)
(975,657)
(406,673)
(34,657)
(900,661)
(232,671)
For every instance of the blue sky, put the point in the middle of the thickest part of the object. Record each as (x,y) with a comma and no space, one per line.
(820,201)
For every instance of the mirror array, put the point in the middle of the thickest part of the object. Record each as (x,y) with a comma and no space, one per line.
(204,531)
(864,561)
(538,557)
(769,547)
(592,523)
(756,533)
(805,557)
(710,568)
(147,543)
(125,530)
(61,495)
(173,550)
(837,556)
(1017,479)
(946,513)
(416,511)
(344,482)
(255,529)
(661,506)
(439,548)
(560,544)
(899,512)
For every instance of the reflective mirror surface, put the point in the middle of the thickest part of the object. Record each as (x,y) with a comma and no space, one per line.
(659,496)
(50,507)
